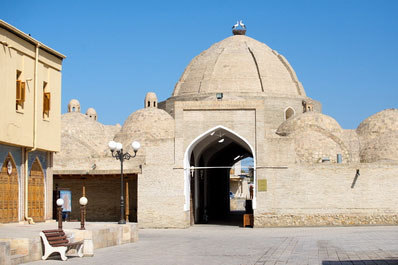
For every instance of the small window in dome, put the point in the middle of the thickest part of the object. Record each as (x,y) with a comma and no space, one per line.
(289,112)
(154,103)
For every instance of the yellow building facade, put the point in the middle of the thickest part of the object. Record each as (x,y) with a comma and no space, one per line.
(30,125)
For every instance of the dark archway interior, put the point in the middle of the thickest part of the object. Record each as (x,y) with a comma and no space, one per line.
(212,159)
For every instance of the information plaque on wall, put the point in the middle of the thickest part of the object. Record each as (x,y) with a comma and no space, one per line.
(262,185)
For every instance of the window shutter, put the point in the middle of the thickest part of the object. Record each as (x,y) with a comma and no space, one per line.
(20,96)
(18,90)
(22,92)
(46,103)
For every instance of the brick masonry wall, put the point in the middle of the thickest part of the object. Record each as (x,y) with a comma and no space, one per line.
(328,195)
(161,189)
(103,194)
(161,198)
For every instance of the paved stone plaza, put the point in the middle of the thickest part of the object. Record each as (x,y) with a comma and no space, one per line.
(204,244)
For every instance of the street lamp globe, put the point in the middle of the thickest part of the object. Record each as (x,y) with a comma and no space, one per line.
(60,202)
(136,146)
(119,146)
(112,145)
(83,201)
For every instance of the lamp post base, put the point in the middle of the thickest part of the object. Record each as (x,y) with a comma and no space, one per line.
(122,222)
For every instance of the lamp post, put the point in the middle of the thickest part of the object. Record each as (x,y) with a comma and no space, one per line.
(83,202)
(117,152)
(60,202)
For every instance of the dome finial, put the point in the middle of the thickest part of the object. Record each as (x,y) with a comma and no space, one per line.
(241,30)
(151,101)
(74,106)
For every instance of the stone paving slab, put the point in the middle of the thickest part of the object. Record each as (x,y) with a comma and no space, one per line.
(209,244)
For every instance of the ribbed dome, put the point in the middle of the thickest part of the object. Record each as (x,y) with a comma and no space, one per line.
(309,120)
(146,124)
(239,65)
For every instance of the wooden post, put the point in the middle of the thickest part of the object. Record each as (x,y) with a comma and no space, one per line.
(127,209)
(59,209)
(84,189)
(82,216)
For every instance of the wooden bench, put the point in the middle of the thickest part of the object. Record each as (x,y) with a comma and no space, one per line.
(56,241)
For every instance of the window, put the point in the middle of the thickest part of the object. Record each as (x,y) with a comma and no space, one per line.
(46,102)
(289,112)
(20,92)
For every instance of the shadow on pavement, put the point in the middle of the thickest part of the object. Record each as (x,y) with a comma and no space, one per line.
(232,219)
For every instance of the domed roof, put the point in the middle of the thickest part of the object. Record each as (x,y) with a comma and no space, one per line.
(309,120)
(239,65)
(82,139)
(91,111)
(383,148)
(379,136)
(311,147)
(89,131)
(379,123)
(146,124)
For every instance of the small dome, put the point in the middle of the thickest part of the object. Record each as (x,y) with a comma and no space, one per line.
(145,125)
(378,135)
(312,146)
(309,120)
(379,123)
(151,101)
(383,148)
(82,139)
(239,65)
(74,106)
(92,113)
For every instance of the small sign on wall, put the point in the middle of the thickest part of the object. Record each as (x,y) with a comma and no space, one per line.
(262,185)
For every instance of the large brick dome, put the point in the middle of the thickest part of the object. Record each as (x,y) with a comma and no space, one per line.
(239,65)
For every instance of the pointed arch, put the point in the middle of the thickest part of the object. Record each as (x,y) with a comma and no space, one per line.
(289,112)
(9,191)
(36,192)
(187,161)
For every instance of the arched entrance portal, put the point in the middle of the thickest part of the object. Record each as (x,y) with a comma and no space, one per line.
(9,191)
(208,160)
(36,192)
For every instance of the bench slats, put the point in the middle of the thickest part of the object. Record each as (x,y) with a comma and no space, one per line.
(52,231)
(59,242)
(54,234)
(56,238)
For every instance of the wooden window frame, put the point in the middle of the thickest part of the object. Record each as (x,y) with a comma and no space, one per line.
(46,104)
(20,92)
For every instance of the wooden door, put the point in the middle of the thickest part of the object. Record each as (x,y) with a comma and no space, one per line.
(9,191)
(36,192)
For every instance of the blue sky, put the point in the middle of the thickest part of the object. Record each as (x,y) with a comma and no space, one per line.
(345,52)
